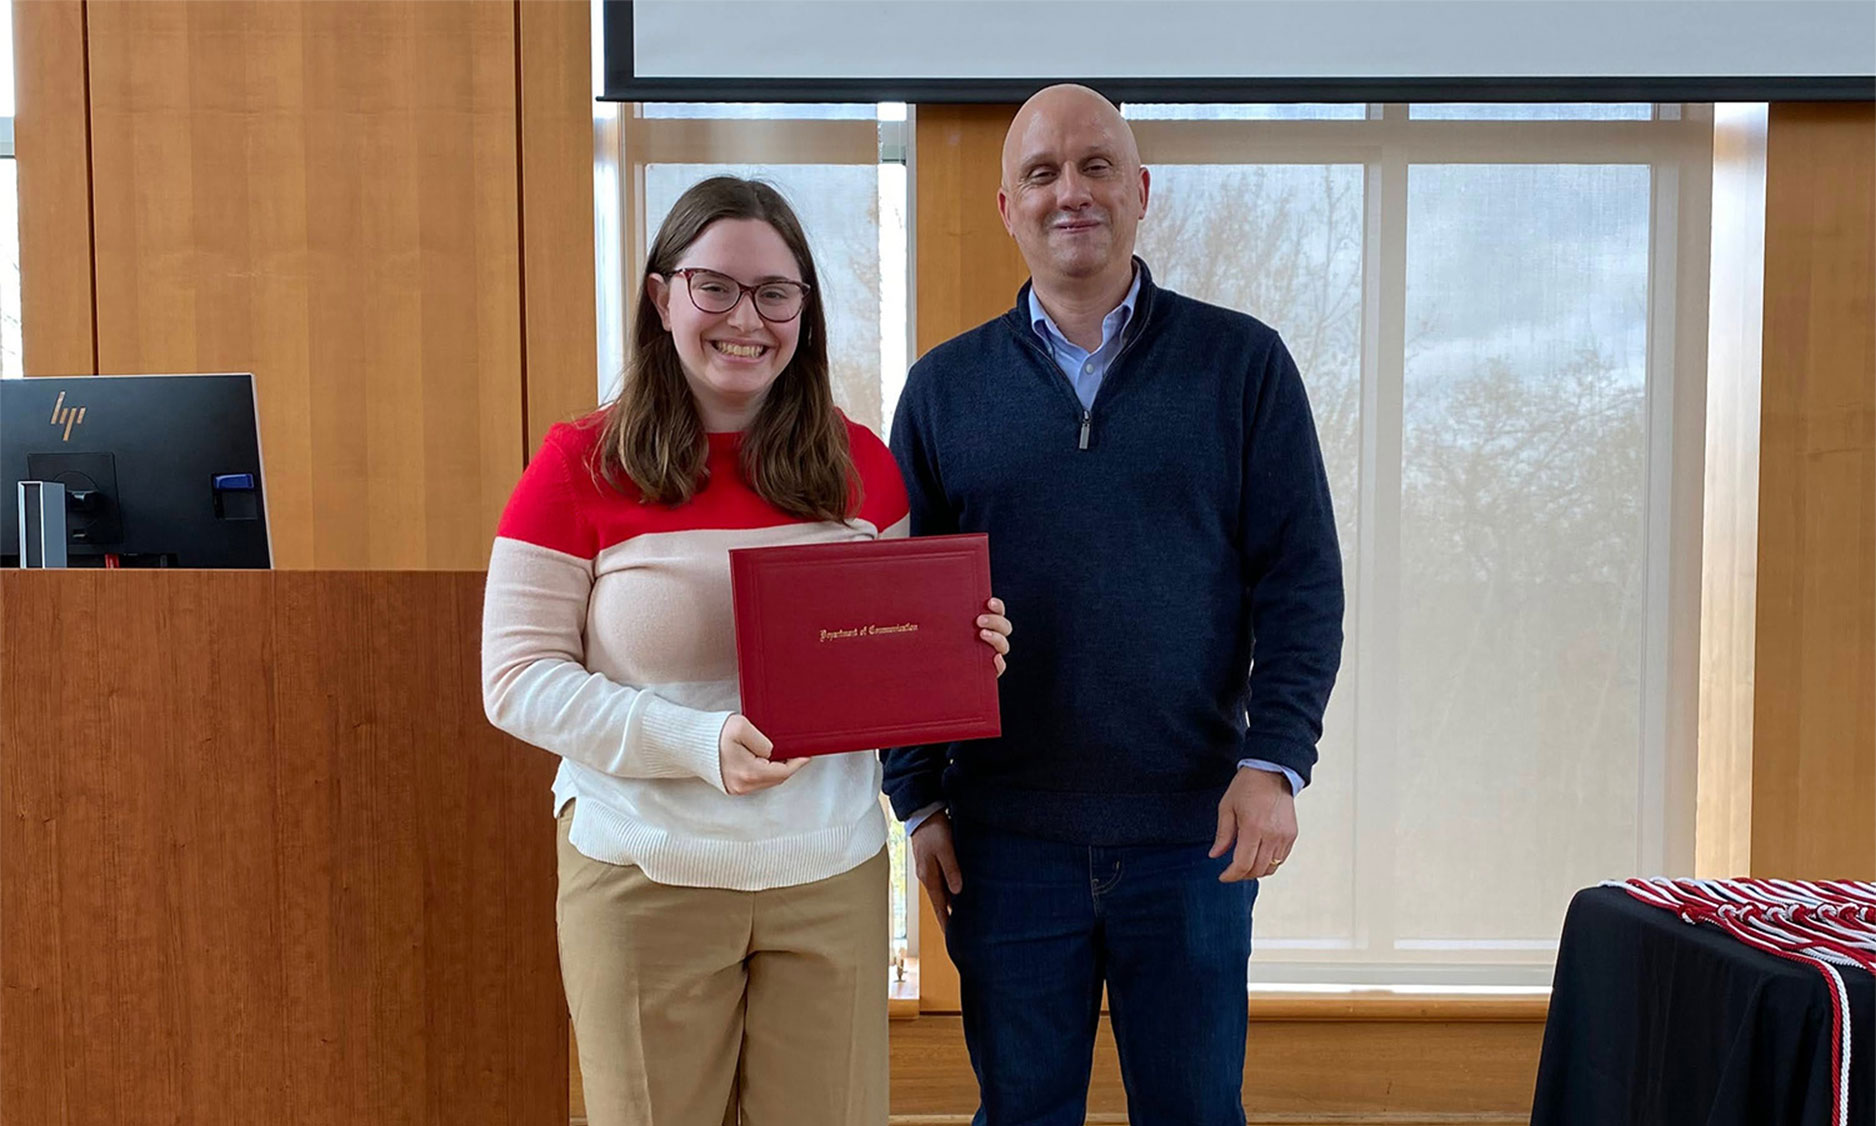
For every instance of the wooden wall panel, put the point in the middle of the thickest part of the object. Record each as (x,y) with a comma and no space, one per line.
(968,267)
(261,859)
(1814,723)
(325,194)
(562,345)
(968,271)
(51,138)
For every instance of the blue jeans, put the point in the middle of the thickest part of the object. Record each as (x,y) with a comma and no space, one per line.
(1040,927)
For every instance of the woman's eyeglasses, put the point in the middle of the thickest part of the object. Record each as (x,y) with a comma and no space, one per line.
(775,301)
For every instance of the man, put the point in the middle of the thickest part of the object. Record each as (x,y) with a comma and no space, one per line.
(1147,470)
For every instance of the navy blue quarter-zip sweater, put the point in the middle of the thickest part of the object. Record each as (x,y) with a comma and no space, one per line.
(1147,549)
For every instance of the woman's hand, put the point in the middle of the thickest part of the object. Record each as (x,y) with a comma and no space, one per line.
(743,754)
(994,628)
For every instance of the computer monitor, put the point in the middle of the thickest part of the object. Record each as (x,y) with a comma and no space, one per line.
(159,470)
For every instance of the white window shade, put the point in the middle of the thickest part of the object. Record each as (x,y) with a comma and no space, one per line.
(1478,309)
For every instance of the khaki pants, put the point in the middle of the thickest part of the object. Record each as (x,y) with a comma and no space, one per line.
(688,1001)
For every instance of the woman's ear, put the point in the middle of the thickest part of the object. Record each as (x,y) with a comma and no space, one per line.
(659,290)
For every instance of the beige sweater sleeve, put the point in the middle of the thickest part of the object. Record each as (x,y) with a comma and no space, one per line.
(536,687)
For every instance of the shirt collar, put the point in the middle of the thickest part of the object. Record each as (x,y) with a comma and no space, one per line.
(1111,325)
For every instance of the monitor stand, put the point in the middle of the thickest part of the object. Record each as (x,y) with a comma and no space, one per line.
(42,524)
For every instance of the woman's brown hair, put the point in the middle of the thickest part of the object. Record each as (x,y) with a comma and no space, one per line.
(794,454)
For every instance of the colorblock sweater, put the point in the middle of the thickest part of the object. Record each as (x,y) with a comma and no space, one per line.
(608,639)
(1168,555)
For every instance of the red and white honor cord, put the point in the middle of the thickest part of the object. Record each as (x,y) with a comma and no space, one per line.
(1822,924)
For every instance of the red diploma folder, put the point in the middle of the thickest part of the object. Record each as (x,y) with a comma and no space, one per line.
(856,646)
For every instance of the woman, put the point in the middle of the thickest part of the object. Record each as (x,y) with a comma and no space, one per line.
(722,917)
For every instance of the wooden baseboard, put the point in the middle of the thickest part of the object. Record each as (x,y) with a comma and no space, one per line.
(1406,1069)
(1251,1120)
(1259,1120)
(1414,1063)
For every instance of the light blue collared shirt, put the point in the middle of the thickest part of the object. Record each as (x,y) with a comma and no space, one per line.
(1085,370)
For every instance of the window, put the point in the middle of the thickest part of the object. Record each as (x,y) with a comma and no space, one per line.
(843,170)
(1532,111)
(1484,309)
(11,355)
(1247,111)
(1493,312)
(10,345)
(1524,467)
(1289,250)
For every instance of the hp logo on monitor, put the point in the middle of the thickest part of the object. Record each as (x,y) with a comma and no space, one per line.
(65,416)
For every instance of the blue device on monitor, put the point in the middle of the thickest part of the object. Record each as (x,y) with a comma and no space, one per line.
(157,470)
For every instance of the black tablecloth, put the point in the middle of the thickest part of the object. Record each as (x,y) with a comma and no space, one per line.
(1654,1022)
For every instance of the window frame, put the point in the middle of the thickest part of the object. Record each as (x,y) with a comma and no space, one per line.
(627,139)
(1676,145)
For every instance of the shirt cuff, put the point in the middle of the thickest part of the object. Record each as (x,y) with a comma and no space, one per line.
(1296,781)
(919,817)
(686,736)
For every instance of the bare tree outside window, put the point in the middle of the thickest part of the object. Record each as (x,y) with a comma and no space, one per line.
(1284,244)
(1523,468)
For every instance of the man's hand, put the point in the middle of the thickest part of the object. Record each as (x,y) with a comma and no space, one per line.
(935,861)
(743,754)
(1260,812)
(994,628)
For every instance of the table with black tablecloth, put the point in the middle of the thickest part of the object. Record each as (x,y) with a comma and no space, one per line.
(1656,1022)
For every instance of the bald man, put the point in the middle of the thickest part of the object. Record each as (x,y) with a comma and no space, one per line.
(1147,470)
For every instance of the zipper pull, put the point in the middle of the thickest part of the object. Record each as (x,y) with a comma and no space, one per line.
(1083,444)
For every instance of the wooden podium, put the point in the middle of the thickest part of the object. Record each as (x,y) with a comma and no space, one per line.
(262,859)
